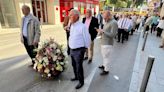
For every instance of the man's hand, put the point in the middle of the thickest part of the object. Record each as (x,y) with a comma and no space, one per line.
(66,28)
(35,43)
(100,31)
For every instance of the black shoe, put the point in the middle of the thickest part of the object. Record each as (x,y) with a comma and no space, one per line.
(85,58)
(118,41)
(74,79)
(104,73)
(101,67)
(89,61)
(79,85)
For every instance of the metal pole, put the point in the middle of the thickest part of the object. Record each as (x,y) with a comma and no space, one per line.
(147,73)
(143,46)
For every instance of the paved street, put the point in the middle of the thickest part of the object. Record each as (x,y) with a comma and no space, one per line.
(10,45)
(16,76)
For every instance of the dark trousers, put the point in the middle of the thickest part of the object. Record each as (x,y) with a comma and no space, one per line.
(126,35)
(77,56)
(121,34)
(153,27)
(30,49)
(137,26)
(68,48)
(159,32)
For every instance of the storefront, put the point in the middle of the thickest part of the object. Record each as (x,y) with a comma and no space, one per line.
(47,11)
(80,5)
(8,15)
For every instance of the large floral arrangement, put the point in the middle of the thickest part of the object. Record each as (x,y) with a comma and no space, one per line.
(50,59)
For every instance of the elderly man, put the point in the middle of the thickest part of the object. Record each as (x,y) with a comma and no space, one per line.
(91,23)
(108,33)
(30,33)
(122,25)
(79,40)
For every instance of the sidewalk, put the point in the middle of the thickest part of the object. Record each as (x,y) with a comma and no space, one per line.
(156,81)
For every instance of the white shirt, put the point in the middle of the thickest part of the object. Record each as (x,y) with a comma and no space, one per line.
(124,23)
(25,23)
(79,36)
(161,24)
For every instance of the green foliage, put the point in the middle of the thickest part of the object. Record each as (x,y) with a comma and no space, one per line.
(124,3)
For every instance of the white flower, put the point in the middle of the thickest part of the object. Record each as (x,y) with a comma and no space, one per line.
(57,51)
(54,58)
(49,75)
(45,59)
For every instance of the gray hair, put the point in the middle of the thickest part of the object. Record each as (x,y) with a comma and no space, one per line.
(108,12)
(76,12)
(26,7)
(89,10)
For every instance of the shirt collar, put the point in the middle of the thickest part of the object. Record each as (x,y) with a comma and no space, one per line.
(89,18)
(28,16)
(76,23)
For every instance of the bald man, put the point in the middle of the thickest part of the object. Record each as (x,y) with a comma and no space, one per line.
(79,40)
(30,32)
(92,24)
(108,33)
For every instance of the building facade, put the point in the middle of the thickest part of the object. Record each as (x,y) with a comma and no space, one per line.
(47,11)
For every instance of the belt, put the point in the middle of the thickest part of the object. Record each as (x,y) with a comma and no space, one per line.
(78,48)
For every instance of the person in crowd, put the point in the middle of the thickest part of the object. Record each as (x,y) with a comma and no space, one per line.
(92,24)
(154,22)
(66,26)
(134,18)
(160,27)
(147,24)
(122,28)
(108,33)
(30,33)
(138,22)
(100,20)
(79,40)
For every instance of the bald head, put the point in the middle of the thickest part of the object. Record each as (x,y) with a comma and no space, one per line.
(74,15)
(107,15)
(25,10)
(88,13)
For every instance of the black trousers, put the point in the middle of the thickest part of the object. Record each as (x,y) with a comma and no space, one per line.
(30,49)
(153,27)
(126,35)
(121,35)
(68,48)
(159,32)
(77,56)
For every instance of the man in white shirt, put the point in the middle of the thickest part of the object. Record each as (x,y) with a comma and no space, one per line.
(79,40)
(122,28)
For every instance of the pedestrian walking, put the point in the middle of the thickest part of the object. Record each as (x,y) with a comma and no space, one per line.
(30,32)
(108,33)
(92,24)
(160,27)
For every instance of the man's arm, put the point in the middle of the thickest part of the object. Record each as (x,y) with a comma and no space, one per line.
(37,32)
(86,37)
(113,32)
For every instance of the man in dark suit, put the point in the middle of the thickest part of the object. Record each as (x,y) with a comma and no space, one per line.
(92,24)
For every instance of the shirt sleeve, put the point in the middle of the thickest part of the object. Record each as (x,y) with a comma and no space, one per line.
(86,37)
(113,32)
